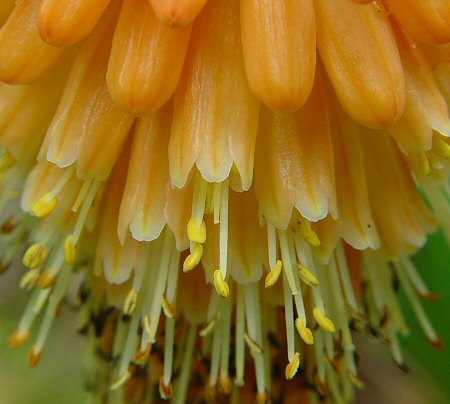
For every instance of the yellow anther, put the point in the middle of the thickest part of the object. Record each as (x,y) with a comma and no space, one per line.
(130,302)
(43,206)
(35,256)
(29,279)
(6,161)
(441,147)
(225,384)
(324,322)
(196,234)
(47,280)
(221,286)
(165,391)
(424,164)
(194,258)
(356,380)
(254,347)
(70,250)
(307,276)
(292,367)
(168,308)
(305,333)
(310,236)
(273,275)
(121,380)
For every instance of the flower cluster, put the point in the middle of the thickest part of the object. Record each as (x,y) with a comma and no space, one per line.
(232,186)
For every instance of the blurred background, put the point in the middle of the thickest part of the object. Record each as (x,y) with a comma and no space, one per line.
(58,378)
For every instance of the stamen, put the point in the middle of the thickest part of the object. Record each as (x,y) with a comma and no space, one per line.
(424,164)
(307,276)
(416,306)
(240,335)
(254,347)
(121,380)
(35,256)
(286,256)
(130,303)
(223,247)
(305,332)
(217,200)
(205,331)
(292,367)
(43,206)
(271,244)
(441,147)
(87,203)
(196,233)
(193,259)
(169,310)
(289,320)
(183,380)
(273,275)
(324,322)
(305,230)
(70,250)
(6,161)
(165,385)
(29,279)
(221,286)
(82,195)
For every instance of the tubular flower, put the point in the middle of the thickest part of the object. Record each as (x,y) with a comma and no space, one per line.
(232,185)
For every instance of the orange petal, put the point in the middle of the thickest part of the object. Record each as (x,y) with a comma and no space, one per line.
(360,55)
(215,115)
(64,22)
(279,44)
(399,213)
(6,6)
(177,13)
(146,59)
(88,128)
(24,57)
(424,20)
(426,110)
(144,197)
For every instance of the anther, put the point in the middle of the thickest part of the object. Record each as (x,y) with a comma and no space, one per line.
(305,332)
(17,338)
(29,279)
(424,164)
(169,310)
(356,380)
(43,206)
(221,286)
(121,380)
(194,258)
(205,331)
(47,280)
(142,356)
(147,324)
(165,391)
(6,161)
(70,250)
(441,147)
(307,276)
(273,275)
(308,234)
(130,303)
(292,367)
(254,347)
(34,356)
(324,322)
(196,234)
(35,256)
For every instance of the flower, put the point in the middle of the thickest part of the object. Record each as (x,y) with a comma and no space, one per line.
(230,202)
